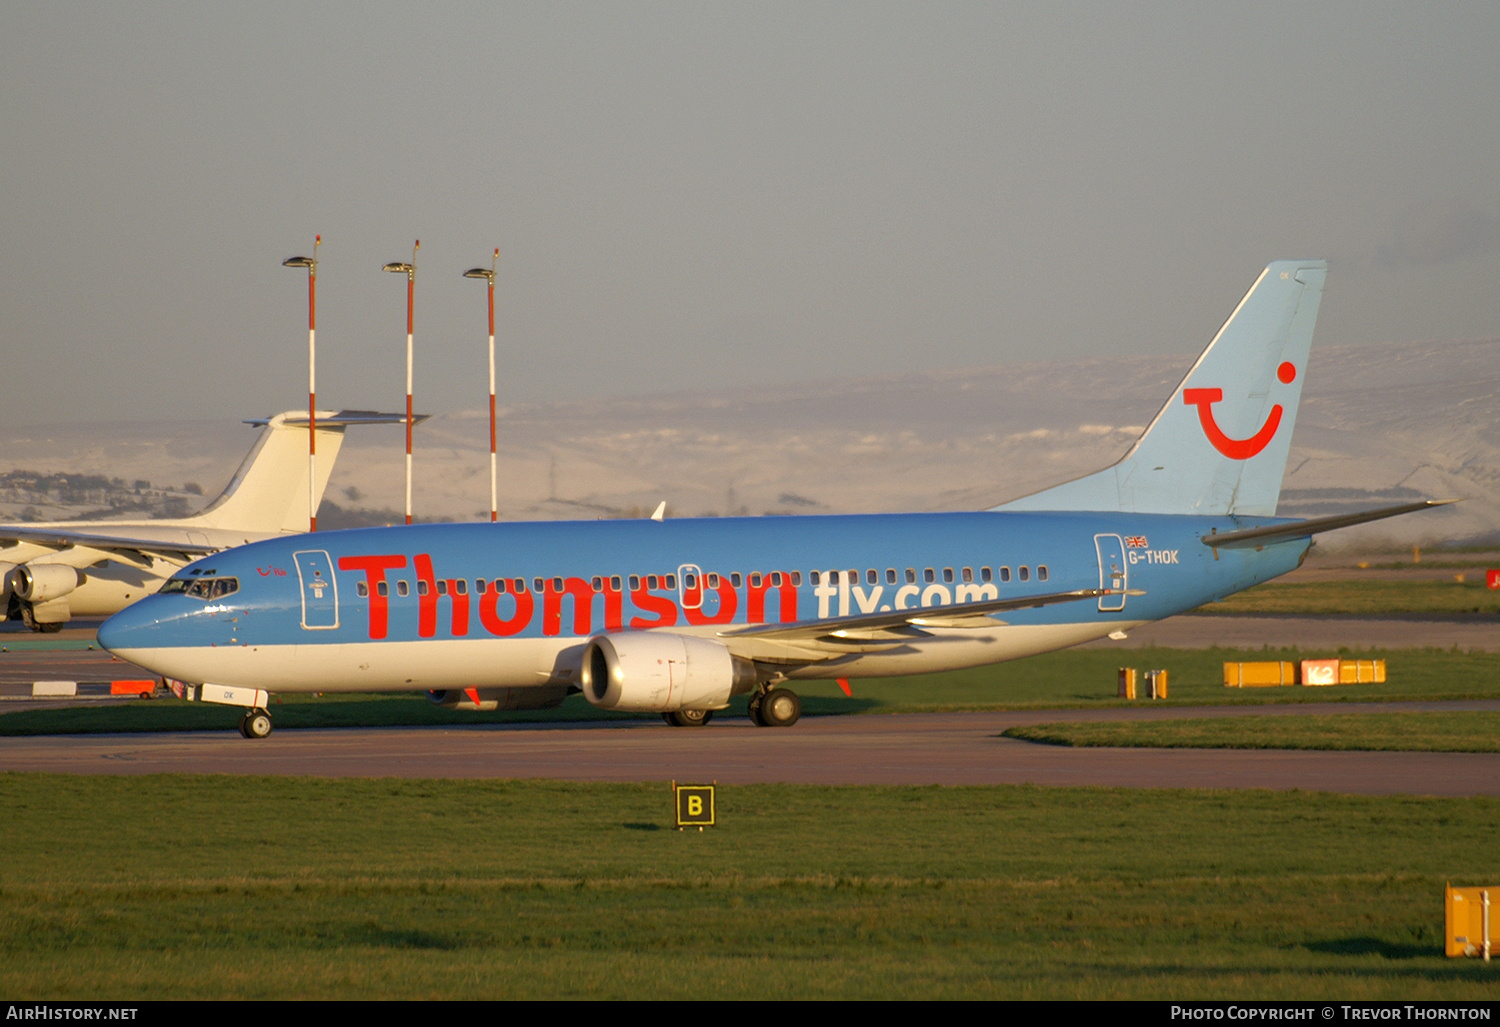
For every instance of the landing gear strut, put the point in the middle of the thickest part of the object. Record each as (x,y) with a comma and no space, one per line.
(775,707)
(688,718)
(256,724)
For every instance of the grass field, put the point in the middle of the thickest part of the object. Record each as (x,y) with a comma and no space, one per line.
(1080,677)
(1427,732)
(161,887)
(1370,598)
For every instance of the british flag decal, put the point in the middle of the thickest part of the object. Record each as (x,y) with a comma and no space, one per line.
(1135,542)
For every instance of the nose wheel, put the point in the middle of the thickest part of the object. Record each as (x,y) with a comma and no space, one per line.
(775,707)
(256,724)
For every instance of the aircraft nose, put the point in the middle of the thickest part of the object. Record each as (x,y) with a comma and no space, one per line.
(131,628)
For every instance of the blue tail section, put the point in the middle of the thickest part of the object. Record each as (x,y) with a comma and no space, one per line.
(1220,444)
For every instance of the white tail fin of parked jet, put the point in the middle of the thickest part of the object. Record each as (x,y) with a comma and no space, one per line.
(1220,444)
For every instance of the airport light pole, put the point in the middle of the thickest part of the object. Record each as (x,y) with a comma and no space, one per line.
(311,263)
(489,276)
(411,285)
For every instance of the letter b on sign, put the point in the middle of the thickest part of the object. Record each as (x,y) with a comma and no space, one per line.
(695,805)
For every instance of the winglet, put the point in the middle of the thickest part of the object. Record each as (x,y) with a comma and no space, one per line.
(661,511)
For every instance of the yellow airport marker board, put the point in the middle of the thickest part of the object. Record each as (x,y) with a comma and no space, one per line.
(694,804)
(1466,920)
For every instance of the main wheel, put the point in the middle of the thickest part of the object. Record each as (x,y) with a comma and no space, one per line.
(780,707)
(257,724)
(688,718)
(754,710)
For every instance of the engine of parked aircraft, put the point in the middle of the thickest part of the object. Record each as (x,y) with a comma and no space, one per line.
(657,672)
(38,583)
(486,699)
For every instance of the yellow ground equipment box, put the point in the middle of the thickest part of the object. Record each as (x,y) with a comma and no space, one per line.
(1361,672)
(1127,683)
(1260,675)
(1156,684)
(1466,921)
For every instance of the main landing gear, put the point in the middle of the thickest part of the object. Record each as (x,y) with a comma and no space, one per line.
(256,724)
(775,707)
(688,718)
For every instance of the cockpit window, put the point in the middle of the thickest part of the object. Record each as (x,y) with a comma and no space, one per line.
(202,588)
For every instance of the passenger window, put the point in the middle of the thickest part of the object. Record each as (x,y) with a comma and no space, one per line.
(402,588)
(968,574)
(928,576)
(651,581)
(635,582)
(597,583)
(1024,572)
(872,576)
(671,581)
(422,587)
(948,574)
(1004,573)
(536,585)
(479,586)
(734,579)
(755,580)
(776,579)
(890,575)
(911,575)
(361,589)
(462,585)
(1041,572)
(442,586)
(382,589)
(614,583)
(797,578)
(813,576)
(984,574)
(557,584)
(833,577)
(713,580)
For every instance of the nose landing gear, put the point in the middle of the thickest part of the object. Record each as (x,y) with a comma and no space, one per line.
(256,724)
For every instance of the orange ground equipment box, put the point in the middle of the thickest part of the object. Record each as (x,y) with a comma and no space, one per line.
(1269,674)
(1343,672)
(1466,921)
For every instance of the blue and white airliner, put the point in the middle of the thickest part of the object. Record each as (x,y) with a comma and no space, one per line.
(679,616)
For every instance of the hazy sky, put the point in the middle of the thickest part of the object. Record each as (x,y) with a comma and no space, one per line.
(693,195)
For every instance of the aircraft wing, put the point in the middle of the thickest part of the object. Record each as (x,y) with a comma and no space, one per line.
(1303,529)
(133,549)
(809,641)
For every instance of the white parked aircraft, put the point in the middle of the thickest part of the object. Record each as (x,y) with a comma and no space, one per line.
(52,572)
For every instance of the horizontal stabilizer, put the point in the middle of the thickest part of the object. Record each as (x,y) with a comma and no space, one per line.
(342,418)
(1302,529)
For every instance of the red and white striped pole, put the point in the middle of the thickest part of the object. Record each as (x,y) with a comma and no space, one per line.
(489,275)
(311,263)
(411,286)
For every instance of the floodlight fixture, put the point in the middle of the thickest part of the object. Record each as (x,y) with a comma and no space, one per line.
(311,263)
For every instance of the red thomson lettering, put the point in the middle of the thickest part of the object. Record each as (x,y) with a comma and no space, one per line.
(728,603)
(755,599)
(427,601)
(489,613)
(664,608)
(583,601)
(374,568)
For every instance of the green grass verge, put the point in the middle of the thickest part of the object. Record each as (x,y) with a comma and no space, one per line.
(1426,732)
(1368,598)
(216,887)
(1079,677)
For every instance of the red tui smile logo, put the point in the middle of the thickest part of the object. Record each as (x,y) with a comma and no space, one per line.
(1237,449)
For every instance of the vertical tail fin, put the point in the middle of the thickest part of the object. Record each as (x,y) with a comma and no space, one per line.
(268,492)
(1220,444)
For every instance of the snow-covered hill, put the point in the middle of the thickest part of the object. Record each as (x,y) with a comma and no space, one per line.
(1379,424)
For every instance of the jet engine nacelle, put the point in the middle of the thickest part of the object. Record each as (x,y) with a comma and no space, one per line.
(487,699)
(37,583)
(656,672)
